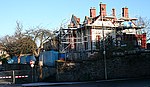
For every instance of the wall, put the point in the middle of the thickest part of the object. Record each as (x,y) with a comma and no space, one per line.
(8,67)
(129,66)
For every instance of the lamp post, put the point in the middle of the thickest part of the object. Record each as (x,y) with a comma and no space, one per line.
(104,51)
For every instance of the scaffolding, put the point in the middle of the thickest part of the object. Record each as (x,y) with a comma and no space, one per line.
(70,40)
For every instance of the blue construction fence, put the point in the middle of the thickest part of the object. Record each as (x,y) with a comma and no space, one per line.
(23,59)
(48,58)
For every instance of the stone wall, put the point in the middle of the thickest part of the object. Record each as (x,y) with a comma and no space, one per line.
(131,66)
(8,67)
(47,73)
(128,66)
(81,71)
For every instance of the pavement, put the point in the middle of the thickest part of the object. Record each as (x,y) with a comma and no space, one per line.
(53,84)
(100,83)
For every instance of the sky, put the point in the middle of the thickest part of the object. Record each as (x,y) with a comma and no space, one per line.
(51,14)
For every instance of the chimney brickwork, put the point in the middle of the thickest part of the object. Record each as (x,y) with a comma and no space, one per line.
(92,12)
(103,10)
(125,12)
(113,12)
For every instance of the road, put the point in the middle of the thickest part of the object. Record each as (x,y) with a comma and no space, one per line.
(102,83)
(111,83)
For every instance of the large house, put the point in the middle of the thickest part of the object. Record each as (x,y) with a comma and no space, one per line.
(100,32)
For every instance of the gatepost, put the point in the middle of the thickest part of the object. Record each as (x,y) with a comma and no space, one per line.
(32,65)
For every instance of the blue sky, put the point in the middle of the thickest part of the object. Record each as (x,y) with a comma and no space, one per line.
(51,13)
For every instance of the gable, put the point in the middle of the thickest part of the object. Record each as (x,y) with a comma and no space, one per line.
(75,21)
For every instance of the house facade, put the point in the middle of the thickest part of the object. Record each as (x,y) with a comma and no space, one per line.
(102,31)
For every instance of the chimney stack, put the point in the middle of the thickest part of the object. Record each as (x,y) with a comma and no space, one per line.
(102,9)
(113,12)
(125,12)
(92,12)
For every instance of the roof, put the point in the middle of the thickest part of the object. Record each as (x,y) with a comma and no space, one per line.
(107,21)
(75,21)
(99,21)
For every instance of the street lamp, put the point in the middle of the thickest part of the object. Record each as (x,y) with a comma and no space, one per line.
(104,51)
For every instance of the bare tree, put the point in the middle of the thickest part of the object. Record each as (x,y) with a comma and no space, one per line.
(18,44)
(40,36)
(29,42)
(144,22)
(19,28)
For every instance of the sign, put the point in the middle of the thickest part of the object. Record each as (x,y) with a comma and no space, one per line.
(32,63)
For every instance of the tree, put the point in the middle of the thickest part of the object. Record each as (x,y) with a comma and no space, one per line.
(28,42)
(40,36)
(18,44)
(144,22)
